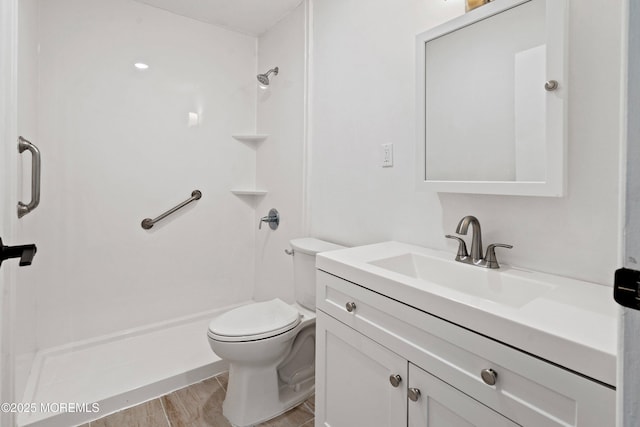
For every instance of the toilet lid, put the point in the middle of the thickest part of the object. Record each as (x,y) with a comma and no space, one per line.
(254,321)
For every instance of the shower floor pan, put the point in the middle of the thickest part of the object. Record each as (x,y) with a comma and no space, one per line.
(87,380)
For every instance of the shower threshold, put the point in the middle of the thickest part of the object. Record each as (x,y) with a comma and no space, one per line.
(83,381)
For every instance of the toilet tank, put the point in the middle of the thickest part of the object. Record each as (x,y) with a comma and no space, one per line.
(304,268)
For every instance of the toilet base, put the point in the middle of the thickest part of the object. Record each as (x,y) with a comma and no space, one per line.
(269,376)
(265,403)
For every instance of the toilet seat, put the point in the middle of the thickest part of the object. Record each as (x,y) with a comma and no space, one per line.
(254,322)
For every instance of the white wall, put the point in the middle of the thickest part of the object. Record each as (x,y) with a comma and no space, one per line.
(116,148)
(26,293)
(8,173)
(363,95)
(629,320)
(280,159)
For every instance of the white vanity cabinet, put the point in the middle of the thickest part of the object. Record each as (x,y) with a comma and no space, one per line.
(356,389)
(441,405)
(365,338)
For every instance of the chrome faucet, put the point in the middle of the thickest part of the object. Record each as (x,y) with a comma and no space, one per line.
(476,239)
(476,258)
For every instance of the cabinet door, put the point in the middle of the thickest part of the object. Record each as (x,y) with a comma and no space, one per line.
(441,405)
(353,386)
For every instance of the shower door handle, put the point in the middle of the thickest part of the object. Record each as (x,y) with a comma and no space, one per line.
(23,145)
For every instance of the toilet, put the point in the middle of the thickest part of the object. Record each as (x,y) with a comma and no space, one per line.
(270,346)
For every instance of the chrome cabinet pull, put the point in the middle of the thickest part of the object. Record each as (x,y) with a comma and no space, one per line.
(395,380)
(551,85)
(23,145)
(489,376)
(351,306)
(413,394)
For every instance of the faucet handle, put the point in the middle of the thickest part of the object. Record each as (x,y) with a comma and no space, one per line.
(462,247)
(490,257)
(273,219)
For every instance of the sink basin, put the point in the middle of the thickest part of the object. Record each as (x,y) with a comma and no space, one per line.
(507,287)
(566,321)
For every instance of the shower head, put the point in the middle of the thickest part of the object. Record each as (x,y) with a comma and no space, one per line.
(264,78)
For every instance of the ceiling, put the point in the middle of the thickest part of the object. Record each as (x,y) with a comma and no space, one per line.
(252,17)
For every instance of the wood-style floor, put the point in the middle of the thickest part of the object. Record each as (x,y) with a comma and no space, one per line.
(199,405)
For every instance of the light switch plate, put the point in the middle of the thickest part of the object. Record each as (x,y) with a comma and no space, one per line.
(387,155)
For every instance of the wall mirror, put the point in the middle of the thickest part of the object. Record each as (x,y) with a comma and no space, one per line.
(492,90)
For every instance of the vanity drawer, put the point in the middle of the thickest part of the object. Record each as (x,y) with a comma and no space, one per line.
(528,390)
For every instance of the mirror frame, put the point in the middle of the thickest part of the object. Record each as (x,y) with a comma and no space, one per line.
(556,34)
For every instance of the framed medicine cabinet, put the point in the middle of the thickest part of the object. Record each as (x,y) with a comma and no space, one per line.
(492,100)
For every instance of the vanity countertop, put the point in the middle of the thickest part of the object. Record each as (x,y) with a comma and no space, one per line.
(571,323)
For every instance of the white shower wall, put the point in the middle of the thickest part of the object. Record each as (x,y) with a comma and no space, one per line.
(117,148)
(280,160)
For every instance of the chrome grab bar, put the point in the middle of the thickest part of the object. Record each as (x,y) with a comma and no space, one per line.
(23,145)
(147,223)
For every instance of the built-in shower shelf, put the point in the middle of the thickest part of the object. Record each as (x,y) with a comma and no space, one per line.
(239,192)
(251,137)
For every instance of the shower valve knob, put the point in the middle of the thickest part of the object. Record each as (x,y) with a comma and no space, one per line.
(273,219)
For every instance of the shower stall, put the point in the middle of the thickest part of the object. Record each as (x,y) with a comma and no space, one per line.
(133,106)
